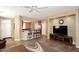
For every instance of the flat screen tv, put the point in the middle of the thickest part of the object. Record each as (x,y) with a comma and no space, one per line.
(60,30)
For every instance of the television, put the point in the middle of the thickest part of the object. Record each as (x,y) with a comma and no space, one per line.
(62,30)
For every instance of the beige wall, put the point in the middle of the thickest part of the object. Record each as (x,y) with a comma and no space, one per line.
(68,21)
(43,27)
(77,28)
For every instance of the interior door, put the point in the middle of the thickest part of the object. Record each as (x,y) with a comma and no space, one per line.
(5,28)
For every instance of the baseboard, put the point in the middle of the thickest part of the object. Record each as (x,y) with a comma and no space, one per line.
(74,43)
(23,38)
(17,39)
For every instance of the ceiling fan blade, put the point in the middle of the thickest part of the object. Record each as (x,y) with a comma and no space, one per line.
(27,7)
(30,10)
(42,8)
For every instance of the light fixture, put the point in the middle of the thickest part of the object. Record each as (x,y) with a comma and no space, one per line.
(61,21)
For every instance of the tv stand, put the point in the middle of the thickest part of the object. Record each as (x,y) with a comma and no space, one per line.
(62,38)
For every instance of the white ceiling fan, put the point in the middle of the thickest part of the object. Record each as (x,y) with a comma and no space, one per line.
(34,8)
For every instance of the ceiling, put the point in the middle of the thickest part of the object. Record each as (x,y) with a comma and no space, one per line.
(11,11)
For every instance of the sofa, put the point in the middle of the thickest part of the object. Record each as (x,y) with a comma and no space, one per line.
(2,43)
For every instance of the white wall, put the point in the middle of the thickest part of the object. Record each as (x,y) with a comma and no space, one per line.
(70,22)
